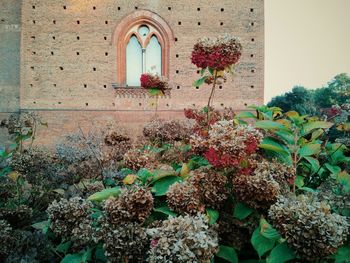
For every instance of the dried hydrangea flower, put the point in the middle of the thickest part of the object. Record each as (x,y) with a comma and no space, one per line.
(257,191)
(6,238)
(216,53)
(153,81)
(308,226)
(117,144)
(184,198)
(178,153)
(167,131)
(136,159)
(211,185)
(33,247)
(134,205)
(125,242)
(71,219)
(183,239)
(227,144)
(281,173)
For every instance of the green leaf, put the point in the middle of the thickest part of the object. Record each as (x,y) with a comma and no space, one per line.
(227,253)
(269,125)
(213,215)
(155,92)
(316,134)
(87,256)
(310,126)
(246,114)
(162,185)
(165,210)
(342,255)
(299,181)
(196,162)
(270,144)
(199,81)
(162,173)
(241,211)
(41,225)
(64,247)
(285,136)
(334,169)
(309,149)
(280,254)
(105,194)
(268,231)
(315,164)
(73,258)
(343,178)
(260,243)
(143,174)
(100,254)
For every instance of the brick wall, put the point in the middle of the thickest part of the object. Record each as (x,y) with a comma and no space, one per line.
(10,36)
(69,60)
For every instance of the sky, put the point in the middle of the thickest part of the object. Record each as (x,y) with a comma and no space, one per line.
(307,43)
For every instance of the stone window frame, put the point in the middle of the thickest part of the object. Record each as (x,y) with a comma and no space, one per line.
(121,37)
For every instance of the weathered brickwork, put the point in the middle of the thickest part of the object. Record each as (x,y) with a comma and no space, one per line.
(69,58)
(10,36)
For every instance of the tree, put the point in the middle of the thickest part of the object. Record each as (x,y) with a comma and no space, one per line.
(299,99)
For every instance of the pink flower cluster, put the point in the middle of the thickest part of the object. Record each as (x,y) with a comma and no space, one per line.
(218,53)
(150,81)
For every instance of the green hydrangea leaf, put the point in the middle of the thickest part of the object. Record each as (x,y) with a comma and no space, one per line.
(227,253)
(280,254)
(260,243)
(213,215)
(161,186)
(242,211)
(105,194)
(342,255)
(165,210)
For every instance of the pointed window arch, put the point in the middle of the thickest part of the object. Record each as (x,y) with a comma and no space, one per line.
(143,40)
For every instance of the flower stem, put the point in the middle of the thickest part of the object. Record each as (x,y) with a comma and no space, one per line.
(211,96)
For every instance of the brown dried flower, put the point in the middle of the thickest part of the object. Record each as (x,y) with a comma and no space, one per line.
(134,205)
(256,191)
(183,239)
(309,226)
(71,219)
(167,131)
(211,185)
(184,198)
(125,242)
(136,159)
(6,238)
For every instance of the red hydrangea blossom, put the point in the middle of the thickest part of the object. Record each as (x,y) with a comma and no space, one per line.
(150,81)
(219,53)
(218,159)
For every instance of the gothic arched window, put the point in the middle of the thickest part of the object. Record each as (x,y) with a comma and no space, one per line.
(143,41)
(143,54)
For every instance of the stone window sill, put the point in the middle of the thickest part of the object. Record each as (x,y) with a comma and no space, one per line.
(134,92)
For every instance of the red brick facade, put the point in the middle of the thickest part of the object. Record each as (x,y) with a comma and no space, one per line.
(72,53)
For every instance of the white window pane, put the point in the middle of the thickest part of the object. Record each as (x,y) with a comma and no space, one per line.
(143,31)
(133,62)
(154,57)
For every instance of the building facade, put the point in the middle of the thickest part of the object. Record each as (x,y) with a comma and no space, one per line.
(68,59)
